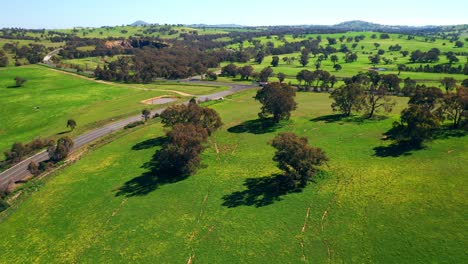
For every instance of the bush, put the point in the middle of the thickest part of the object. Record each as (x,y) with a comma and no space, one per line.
(3,205)
(134,124)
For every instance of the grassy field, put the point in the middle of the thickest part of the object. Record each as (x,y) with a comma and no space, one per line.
(49,98)
(363,64)
(369,204)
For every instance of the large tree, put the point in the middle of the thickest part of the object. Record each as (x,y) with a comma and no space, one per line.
(376,99)
(246,72)
(265,74)
(296,158)
(277,99)
(275,61)
(304,59)
(180,155)
(455,107)
(348,98)
(71,123)
(192,114)
(449,83)
(61,150)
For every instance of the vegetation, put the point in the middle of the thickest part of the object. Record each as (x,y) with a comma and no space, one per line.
(112,199)
(277,99)
(298,160)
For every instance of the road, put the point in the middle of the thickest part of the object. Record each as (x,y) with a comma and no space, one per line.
(20,170)
(47,58)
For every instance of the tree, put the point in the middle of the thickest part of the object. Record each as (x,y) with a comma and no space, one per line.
(401,67)
(146,114)
(417,124)
(192,114)
(391,82)
(459,44)
(334,59)
(259,58)
(16,153)
(465,83)
(337,67)
(376,45)
(211,76)
(304,59)
(71,123)
(275,61)
(264,74)
(376,99)
(374,59)
(61,150)
(451,57)
(229,70)
(3,59)
(281,76)
(449,83)
(347,98)
(180,156)
(455,106)
(245,72)
(19,81)
(33,168)
(296,158)
(276,99)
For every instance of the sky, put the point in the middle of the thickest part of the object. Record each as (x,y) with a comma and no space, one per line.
(54,14)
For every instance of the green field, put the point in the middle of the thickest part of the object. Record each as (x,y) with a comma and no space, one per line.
(49,98)
(368,205)
(363,63)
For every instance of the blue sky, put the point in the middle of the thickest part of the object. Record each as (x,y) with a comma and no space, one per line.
(66,14)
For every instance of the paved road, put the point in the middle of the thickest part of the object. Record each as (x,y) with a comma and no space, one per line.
(47,58)
(20,170)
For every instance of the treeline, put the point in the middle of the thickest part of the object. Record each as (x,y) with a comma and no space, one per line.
(33,53)
(150,63)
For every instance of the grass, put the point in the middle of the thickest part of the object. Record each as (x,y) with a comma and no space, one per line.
(363,208)
(363,64)
(49,98)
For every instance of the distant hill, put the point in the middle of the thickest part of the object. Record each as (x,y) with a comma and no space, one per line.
(139,23)
(359,25)
(216,26)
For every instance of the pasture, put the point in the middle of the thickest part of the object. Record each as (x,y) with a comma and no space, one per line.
(369,204)
(42,106)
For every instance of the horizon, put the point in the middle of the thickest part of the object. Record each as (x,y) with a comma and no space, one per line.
(53,14)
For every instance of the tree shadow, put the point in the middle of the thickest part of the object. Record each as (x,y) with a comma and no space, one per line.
(329,118)
(154,177)
(257,126)
(147,183)
(405,147)
(150,143)
(63,132)
(342,118)
(401,148)
(261,191)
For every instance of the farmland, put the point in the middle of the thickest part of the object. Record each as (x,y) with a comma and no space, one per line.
(42,106)
(362,207)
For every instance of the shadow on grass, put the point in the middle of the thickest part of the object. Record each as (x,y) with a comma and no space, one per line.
(63,132)
(402,148)
(257,126)
(148,182)
(153,178)
(405,147)
(150,143)
(342,118)
(261,191)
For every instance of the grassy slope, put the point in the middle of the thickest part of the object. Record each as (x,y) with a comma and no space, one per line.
(406,209)
(60,97)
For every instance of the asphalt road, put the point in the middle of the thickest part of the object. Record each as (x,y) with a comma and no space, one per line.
(20,170)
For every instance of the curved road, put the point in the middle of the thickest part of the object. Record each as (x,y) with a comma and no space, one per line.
(20,170)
